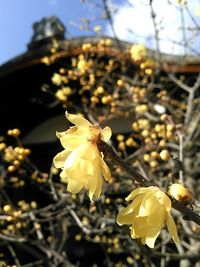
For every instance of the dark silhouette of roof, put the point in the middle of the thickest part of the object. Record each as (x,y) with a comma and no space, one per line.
(22,76)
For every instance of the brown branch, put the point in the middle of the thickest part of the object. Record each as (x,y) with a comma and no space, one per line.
(109,152)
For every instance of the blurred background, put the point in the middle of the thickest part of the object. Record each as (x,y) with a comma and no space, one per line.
(131,22)
(133,65)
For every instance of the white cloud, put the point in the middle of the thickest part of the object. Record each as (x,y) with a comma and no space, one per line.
(133,22)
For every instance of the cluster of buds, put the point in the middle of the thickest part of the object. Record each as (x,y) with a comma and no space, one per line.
(14,132)
(139,54)
(125,142)
(58,79)
(11,222)
(3,262)
(63,93)
(153,157)
(89,70)
(14,156)
(155,137)
(39,177)
(138,93)
(25,206)
(147,66)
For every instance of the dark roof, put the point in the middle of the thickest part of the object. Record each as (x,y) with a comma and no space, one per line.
(21,78)
(73,46)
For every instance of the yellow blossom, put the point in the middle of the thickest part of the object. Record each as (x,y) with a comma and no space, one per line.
(86,46)
(138,52)
(148,212)
(63,93)
(81,162)
(97,28)
(56,79)
(60,95)
(180,193)
(82,66)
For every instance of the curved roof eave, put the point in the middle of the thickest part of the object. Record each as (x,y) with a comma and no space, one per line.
(74,46)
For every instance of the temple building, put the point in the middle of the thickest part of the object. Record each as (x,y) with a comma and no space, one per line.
(28,86)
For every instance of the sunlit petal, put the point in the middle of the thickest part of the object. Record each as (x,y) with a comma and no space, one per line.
(171,226)
(164,200)
(134,193)
(74,187)
(148,205)
(82,162)
(126,215)
(71,142)
(60,158)
(106,134)
(105,170)
(95,184)
(150,241)
(77,120)
(60,134)
(148,212)
(133,233)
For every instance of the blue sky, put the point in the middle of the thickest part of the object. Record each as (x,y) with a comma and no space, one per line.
(131,20)
(17,17)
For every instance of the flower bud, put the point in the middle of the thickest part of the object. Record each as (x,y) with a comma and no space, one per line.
(180,193)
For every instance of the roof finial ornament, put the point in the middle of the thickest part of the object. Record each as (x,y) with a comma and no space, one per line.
(45,30)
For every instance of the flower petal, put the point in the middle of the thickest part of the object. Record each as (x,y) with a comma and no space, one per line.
(148,205)
(105,170)
(171,226)
(98,189)
(147,213)
(77,120)
(81,131)
(106,134)
(127,215)
(61,134)
(60,158)
(72,141)
(133,234)
(73,186)
(164,200)
(70,160)
(64,176)
(85,151)
(98,177)
(150,240)
(95,183)
(137,191)
(150,225)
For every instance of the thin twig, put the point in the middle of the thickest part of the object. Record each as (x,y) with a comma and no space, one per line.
(12,251)
(108,151)
(181,177)
(156,35)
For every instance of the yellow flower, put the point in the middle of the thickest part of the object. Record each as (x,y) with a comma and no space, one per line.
(97,28)
(148,212)
(82,66)
(180,193)
(138,52)
(81,162)
(56,79)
